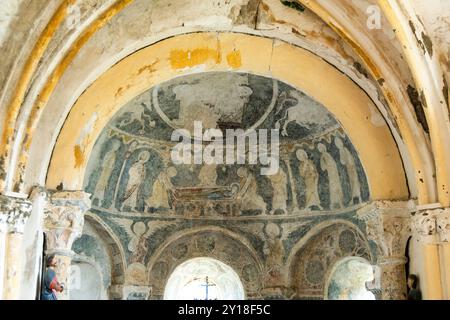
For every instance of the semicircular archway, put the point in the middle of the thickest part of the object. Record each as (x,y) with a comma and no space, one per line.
(204,279)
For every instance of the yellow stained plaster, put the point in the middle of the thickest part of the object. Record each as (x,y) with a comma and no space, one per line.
(27,73)
(420,160)
(51,84)
(234,59)
(287,63)
(180,59)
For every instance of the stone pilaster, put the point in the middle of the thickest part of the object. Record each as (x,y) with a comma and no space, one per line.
(388,225)
(14,214)
(432,230)
(443,224)
(63,224)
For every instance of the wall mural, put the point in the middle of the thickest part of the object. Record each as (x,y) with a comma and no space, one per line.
(145,198)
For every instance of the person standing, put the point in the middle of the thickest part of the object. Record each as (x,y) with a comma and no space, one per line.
(50,282)
(413,288)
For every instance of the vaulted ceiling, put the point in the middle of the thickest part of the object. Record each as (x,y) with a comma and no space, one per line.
(58,56)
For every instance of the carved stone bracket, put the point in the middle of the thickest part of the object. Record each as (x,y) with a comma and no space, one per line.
(64,219)
(432,226)
(14,213)
(388,225)
(443,224)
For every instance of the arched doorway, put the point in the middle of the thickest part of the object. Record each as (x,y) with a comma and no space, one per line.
(349,280)
(204,279)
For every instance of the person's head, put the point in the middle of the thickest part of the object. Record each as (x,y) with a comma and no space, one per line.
(321,147)
(301,155)
(338,142)
(144,156)
(412,281)
(51,261)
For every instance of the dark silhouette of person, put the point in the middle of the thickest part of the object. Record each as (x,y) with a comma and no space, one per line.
(50,284)
(414,291)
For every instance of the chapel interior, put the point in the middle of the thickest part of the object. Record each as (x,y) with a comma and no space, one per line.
(348,100)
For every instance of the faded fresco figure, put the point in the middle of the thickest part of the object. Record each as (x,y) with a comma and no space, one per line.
(348,161)
(160,191)
(280,191)
(310,177)
(208,176)
(251,199)
(109,162)
(138,243)
(328,164)
(274,251)
(136,176)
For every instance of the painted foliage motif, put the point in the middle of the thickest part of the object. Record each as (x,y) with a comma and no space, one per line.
(319,168)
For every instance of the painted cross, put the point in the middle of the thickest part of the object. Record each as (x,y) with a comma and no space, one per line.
(207,285)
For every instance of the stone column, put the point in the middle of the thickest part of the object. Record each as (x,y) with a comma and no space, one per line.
(443,228)
(425,232)
(3,230)
(63,224)
(15,212)
(388,225)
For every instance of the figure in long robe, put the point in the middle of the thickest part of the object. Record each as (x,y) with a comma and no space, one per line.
(310,177)
(349,162)
(280,191)
(109,162)
(251,200)
(136,175)
(160,190)
(328,164)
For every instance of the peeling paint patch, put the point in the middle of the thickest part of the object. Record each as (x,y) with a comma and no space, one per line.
(247,14)
(79,156)
(234,59)
(445,90)
(2,170)
(416,101)
(294,5)
(180,59)
(361,69)
(148,68)
(121,90)
(413,29)
(381,81)
(428,44)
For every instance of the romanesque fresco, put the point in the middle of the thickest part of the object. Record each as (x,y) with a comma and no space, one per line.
(319,168)
(145,198)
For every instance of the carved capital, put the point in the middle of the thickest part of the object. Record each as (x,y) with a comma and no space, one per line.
(443,224)
(432,226)
(388,225)
(64,219)
(14,213)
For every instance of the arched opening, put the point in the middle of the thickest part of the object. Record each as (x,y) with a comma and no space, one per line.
(349,280)
(204,279)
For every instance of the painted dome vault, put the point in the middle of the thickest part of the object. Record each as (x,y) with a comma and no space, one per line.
(146,200)
(131,172)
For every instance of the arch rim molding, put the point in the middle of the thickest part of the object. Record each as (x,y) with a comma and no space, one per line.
(236,52)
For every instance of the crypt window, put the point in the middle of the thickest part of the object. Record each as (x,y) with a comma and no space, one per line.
(204,279)
(350,279)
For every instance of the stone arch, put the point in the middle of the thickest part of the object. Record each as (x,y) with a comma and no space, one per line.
(211,242)
(354,118)
(114,248)
(332,270)
(315,255)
